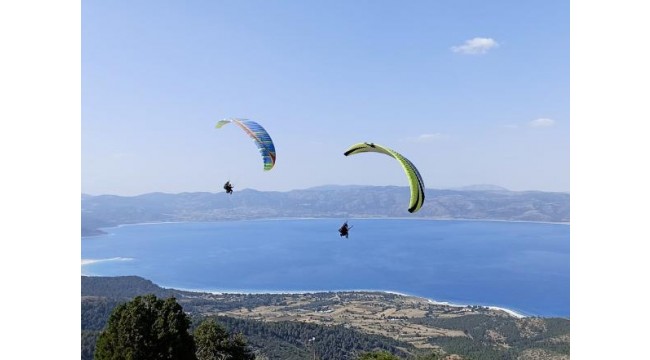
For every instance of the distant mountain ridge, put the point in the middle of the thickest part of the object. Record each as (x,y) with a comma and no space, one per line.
(324,201)
(480,187)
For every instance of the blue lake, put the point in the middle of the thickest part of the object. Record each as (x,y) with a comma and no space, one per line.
(516,265)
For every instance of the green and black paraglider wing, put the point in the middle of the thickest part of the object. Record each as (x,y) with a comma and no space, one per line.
(415,180)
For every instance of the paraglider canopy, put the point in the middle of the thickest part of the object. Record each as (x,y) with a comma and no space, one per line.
(259,135)
(415,180)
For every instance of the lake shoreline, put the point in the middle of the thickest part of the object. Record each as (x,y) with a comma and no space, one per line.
(105,229)
(510,312)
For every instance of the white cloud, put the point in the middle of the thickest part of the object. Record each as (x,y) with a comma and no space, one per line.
(427,138)
(541,122)
(475,46)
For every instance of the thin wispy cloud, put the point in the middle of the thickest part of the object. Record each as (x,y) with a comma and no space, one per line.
(475,46)
(541,122)
(426,138)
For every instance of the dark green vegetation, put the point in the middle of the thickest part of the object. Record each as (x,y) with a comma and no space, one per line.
(507,336)
(326,201)
(122,287)
(151,328)
(378,355)
(482,335)
(213,342)
(146,328)
(291,340)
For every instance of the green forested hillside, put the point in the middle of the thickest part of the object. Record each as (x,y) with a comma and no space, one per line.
(121,287)
(277,340)
(270,330)
(291,339)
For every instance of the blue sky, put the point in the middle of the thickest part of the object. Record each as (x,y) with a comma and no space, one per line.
(472,92)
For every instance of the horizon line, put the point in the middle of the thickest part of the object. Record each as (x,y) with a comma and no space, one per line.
(456,188)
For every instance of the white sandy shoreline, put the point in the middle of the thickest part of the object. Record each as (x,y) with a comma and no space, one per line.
(446,303)
(326,218)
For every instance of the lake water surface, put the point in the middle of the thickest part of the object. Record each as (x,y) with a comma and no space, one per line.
(516,265)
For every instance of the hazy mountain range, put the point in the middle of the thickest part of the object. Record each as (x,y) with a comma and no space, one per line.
(479,202)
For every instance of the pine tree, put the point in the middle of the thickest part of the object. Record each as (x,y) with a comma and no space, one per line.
(378,355)
(146,328)
(214,343)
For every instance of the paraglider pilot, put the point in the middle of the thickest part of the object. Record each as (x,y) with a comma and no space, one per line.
(228,186)
(344,230)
